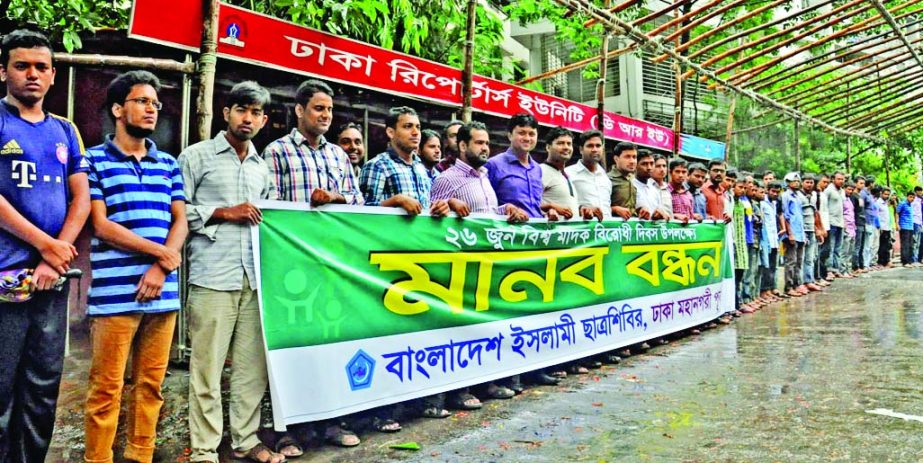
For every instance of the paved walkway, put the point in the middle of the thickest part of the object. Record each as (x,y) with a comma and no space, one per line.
(793,382)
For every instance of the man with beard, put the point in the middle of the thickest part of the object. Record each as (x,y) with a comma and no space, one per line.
(624,192)
(430,151)
(138,209)
(464,185)
(714,193)
(697,175)
(592,185)
(44,202)
(349,137)
(450,146)
(224,176)
(397,177)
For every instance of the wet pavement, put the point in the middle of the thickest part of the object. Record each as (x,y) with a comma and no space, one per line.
(792,382)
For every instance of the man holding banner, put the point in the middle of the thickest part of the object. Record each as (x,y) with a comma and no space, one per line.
(223,176)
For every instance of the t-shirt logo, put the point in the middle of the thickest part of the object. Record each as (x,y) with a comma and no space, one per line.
(24,172)
(61,153)
(10,148)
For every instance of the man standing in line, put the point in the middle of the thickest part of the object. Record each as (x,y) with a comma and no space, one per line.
(305,167)
(659,175)
(648,194)
(223,177)
(794,229)
(139,225)
(44,202)
(849,231)
(624,193)
(714,193)
(397,177)
(859,207)
(558,191)
(592,185)
(450,150)
(349,137)
(697,175)
(917,206)
(810,239)
(870,247)
(834,197)
(682,200)
(884,219)
(769,242)
(514,175)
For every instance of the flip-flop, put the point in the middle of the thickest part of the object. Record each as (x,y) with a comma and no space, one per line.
(463,401)
(287,442)
(436,412)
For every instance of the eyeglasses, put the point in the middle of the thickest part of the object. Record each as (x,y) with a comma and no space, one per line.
(147,101)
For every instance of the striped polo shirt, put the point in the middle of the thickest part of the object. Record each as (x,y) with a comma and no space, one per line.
(138,196)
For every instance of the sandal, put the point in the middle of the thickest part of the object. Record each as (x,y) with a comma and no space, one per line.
(260,453)
(386,425)
(464,401)
(340,436)
(499,392)
(288,447)
(436,412)
(576,369)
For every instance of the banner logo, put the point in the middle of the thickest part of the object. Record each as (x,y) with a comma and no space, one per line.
(359,371)
(232,34)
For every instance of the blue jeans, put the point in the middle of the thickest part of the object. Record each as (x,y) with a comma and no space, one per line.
(836,241)
(810,254)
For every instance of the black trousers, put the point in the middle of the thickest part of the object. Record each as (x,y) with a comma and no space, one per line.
(906,246)
(884,248)
(32,338)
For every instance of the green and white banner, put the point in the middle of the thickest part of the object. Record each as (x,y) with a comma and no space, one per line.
(364,307)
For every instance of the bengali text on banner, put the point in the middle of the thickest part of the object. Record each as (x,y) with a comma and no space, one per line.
(364,307)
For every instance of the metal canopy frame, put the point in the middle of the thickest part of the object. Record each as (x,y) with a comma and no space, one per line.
(851,67)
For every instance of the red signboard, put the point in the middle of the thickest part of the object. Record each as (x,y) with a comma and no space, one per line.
(263,40)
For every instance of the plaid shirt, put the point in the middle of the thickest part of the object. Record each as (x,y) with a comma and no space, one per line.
(297,169)
(388,175)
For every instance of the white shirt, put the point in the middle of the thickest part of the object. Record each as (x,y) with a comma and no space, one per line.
(558,190)
(593,188)
(666,200)
(648,194)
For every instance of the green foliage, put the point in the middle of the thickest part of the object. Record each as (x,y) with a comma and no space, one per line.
(66,20)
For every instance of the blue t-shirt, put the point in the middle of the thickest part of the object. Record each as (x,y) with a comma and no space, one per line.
(36,160)
(905,215)
(138,196)
(792,211)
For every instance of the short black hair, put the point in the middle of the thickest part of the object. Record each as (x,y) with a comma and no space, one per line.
(308,88)
(775,185)
(870,179)
(715,162)
(521,120)
(464,132)
(347,126)
(121,86)
(556,133)
(623,146)
(769,172)
(23,38)
(876,190)
(808,176)
(849,183)
(248,93)
(658,157)
(822,176)
(918,188)
(677,163)
(731,173)
(427,134)
(394,114)
(758,183)
(910,193)
(588,135)
(445,131)
(644,154)
(697,166)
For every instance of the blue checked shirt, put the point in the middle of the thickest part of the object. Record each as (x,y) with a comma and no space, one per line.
(387,175)
(297,169)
